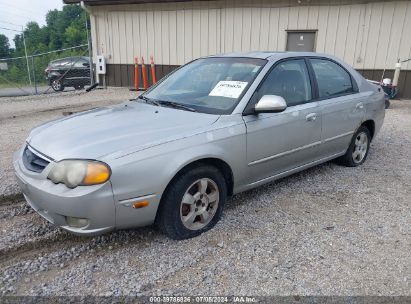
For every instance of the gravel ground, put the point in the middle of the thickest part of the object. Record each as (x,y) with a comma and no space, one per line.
(18,115)
(329,230)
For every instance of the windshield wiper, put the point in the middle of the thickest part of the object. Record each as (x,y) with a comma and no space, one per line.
(166,103)
(149,100)
(175,105)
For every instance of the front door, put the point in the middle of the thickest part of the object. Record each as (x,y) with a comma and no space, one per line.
(278,142)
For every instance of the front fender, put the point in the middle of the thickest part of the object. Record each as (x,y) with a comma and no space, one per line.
(54,75)
(148,172)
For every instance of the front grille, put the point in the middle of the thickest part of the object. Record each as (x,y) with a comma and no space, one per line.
(33,162)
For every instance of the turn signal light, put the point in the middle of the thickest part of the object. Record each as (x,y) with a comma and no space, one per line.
(139,205)
(97,173)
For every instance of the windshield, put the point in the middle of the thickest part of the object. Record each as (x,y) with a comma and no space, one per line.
(209,85)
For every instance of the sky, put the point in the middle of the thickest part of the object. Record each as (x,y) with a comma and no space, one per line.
(15,13)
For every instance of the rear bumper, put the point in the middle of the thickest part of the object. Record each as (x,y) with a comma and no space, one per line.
(57,202)
(379,118)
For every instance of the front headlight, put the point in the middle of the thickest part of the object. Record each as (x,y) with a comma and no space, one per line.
(75,173)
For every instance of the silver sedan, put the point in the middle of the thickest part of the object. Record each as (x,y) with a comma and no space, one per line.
(213,128)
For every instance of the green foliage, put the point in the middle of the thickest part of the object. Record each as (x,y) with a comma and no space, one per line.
(64,28)
(4,46)
(73,35)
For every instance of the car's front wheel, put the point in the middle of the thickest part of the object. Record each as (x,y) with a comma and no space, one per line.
(358,150)
(57,85)
(193,203)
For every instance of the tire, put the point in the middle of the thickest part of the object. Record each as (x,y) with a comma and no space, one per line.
(358,150)
(387,104)
(57,85)
(193,203)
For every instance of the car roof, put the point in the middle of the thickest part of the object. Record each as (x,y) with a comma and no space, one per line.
(69,58)
(271,55)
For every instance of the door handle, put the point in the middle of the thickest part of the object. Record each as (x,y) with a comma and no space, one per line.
(311,117)
(359,106)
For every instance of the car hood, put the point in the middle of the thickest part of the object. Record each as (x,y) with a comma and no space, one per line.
(102,131)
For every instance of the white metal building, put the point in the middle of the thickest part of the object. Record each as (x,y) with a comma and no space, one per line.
(369,35)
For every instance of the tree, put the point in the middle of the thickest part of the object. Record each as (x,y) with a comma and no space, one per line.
(74,36)
(4,46)
(64,28)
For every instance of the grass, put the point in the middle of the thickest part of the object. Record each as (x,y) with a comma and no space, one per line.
(15,85)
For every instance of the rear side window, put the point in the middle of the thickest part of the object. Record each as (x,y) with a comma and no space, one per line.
(61,63)
(332,79)
(80,63)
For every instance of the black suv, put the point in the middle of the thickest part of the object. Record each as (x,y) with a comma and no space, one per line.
(68,72)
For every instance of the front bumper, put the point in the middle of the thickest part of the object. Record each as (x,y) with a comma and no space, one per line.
(57,202)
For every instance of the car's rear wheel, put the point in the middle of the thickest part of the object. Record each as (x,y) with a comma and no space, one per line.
(57,85)
(358,150)
(193,203)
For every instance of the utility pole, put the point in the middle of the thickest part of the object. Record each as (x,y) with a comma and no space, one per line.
(34,73)
(25,51)
(90,55)
(24,42)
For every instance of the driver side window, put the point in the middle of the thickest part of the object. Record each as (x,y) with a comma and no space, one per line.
(290,80)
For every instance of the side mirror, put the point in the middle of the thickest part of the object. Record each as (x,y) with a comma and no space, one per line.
(270,104)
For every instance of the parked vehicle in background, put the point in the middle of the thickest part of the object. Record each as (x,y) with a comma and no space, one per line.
(387,100)
(382,87)
(68,72)
(213,128)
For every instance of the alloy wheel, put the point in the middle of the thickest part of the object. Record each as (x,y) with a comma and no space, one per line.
(360,147)
(56,85)
(199,204)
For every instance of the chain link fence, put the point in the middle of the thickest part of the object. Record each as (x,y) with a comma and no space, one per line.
(46,72)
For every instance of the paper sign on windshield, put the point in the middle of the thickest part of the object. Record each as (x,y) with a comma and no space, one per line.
(230,89)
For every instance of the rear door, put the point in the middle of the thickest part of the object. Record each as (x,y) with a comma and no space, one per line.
(278,142)
(79,69)
(342,106)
